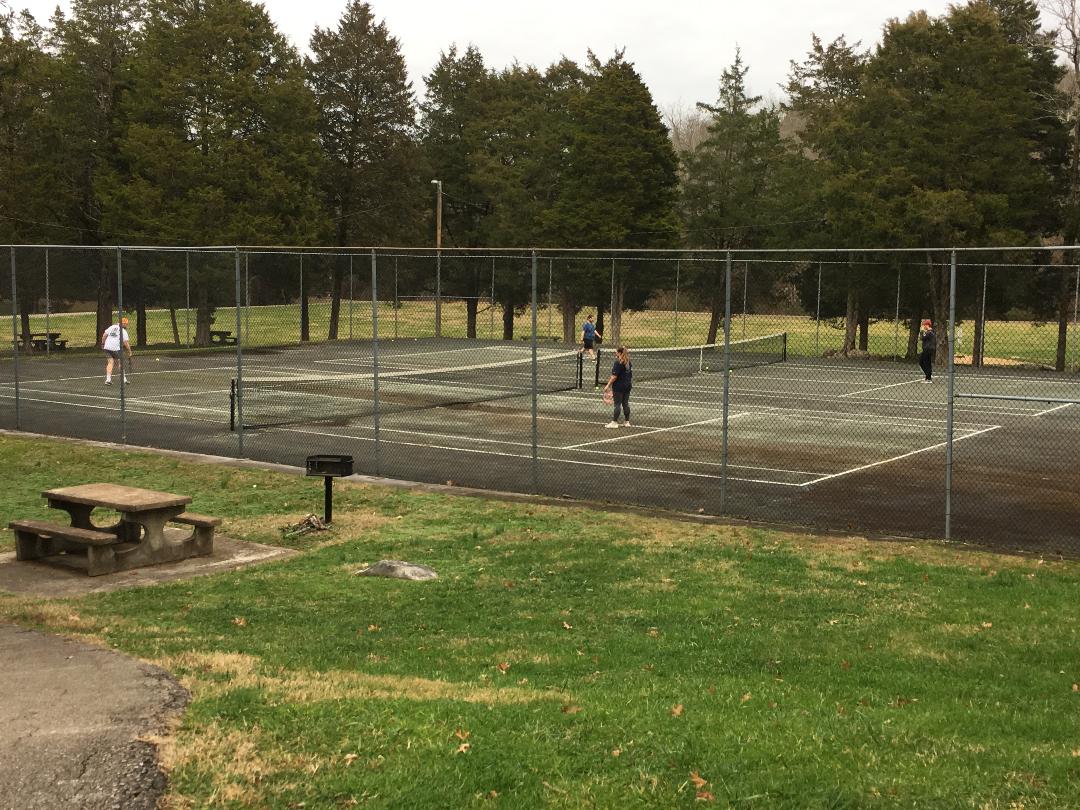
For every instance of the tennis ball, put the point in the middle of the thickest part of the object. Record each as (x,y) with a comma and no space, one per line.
(157,359)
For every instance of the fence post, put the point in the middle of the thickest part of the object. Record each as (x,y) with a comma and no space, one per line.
(615,330)
(491,309)
(535,459)
(120,324)
(950,396)
(817,316)
(396,304)
(896,324)
(187,298)
(247,296)
(438,293)
(48,328)
(15,337)
(745,280)
(727,383)
(375,359)
(239,360)
(350,296)
(675,335)
(1076,307)
(982,330)
(550,263)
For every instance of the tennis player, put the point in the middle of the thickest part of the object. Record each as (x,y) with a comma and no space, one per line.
(619,384)
(929,347)
(113,340)
(589,336)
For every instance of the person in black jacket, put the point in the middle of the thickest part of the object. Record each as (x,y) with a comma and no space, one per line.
(929,347)
(619,384)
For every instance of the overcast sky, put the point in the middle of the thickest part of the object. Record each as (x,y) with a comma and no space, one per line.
(679,47)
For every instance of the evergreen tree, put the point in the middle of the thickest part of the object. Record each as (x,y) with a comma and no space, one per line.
(371,179)
(220,145)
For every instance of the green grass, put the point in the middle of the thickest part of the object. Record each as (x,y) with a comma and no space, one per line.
(571,658)
(1006,341)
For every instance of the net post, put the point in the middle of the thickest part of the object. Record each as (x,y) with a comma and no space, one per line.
(535,459)
(727,383)
(375,359)
(15,337)
(950,397)
(817,315)
(48,328)
(120,323)
(239,359)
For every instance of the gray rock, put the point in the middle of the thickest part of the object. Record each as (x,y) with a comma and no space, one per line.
(398,569)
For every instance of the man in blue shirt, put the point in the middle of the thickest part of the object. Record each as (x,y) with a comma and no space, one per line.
(589,336)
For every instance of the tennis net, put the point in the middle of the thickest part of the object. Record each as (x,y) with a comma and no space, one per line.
(270,402)
(690,361)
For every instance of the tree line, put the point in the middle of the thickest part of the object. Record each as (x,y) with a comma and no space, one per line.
(195,122)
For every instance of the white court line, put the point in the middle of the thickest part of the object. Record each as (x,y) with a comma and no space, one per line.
(879,388)
(896,458)
(525,354)
(639,434)
(1056,408)
(114,408)
(115,399)
(619,467)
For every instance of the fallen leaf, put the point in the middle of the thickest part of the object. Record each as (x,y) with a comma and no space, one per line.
(677,710)
(373,628)
(1076,752)
(568,709)
(745,698)
(351,758)
(616,752)
(239,621)
(845,664)
(704,796)
(925,577)
(987,625)
(507,584)
(461,734)
(463,748)
(697,781)
(523,681)
(654,632)
(493,794)
(504,667)
(1076,687)
(567,626)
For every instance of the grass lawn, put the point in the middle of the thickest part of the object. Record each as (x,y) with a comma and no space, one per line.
(1007,341)
(571,658)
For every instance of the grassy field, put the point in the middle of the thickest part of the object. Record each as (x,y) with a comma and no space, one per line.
(1006,341)
(570,658)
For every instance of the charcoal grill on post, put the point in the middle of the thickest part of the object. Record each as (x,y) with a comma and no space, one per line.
(329,467)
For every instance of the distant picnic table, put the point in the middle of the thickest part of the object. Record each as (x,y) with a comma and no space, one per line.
(222,337)
(139,538)
(42,341)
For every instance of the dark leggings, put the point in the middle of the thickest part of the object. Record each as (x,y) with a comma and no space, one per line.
(622,400)
(926,361)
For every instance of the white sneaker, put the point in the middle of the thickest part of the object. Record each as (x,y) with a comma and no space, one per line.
(612,425)
(626,424)
(108,382)
(927,381)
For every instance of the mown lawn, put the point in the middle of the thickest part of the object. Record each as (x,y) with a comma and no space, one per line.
(573,658)
(1006,341)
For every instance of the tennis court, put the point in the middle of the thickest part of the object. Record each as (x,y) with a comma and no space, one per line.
(815,442)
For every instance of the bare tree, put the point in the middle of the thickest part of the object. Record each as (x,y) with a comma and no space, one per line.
(686,125)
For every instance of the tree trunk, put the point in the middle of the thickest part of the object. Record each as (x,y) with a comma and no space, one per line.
(864,332)
(939,292)
(851,316)
(508,321)
(715,307)
(305,322)
(914,324)
(335,299)
(175,328)
(568,309)
(104,295)
(24,323)
(599,319)
(617,311)
(472,304)
(1064,299)
(204,315)
(140,322)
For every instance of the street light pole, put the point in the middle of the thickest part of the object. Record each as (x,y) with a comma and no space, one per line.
(438,257)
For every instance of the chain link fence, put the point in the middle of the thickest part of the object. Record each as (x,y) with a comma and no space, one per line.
(783,386)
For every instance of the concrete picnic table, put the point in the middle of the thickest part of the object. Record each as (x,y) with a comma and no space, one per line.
(139,538)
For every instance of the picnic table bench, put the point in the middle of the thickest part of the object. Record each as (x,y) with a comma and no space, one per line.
(139,538)
(222,337)
(42,341)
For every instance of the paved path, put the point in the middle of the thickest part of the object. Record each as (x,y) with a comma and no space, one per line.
(70,718)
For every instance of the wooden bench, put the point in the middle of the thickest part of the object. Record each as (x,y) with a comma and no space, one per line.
(203,526)
(35,539)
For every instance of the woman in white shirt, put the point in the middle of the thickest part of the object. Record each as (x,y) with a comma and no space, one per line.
(113,340)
